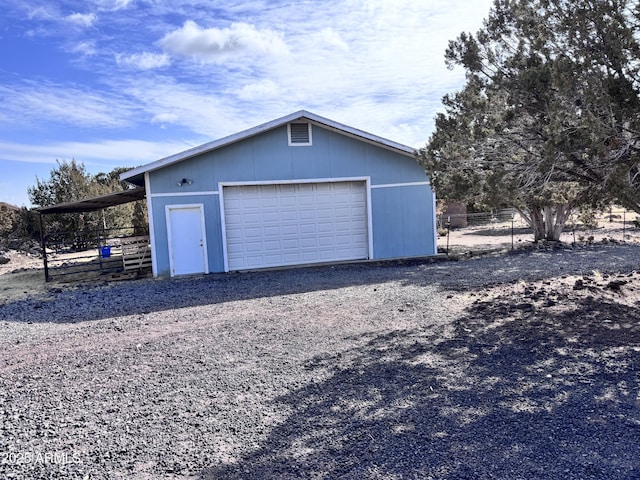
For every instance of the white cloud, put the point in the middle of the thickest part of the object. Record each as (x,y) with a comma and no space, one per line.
(164,118)
(114,5)
(87,48)
(214,45)
(109,153)
(45,102)
(84,20)
(261,90)
(192,106)
(333,39)
(40,13)
(378,66)
(121,4)
(144,61)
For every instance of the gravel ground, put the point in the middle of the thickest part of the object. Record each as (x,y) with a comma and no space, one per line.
(522,366)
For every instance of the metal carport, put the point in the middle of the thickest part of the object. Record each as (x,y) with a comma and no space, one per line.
(86,205)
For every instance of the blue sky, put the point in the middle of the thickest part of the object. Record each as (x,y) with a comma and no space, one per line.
(125,82)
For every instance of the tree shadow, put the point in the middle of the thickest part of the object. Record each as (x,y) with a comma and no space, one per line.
(501,231)
(520,390)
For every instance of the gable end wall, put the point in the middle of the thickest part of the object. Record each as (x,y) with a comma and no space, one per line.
(402,207)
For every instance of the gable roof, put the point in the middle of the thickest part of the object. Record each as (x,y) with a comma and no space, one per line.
(136,175)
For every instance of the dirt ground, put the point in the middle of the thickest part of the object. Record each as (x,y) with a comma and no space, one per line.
(505,366)
(22,277)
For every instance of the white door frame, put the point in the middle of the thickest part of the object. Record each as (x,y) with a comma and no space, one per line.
(203,231)
(367,187)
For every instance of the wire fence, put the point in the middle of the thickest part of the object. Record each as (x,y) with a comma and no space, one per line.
(506,228)
(79,254)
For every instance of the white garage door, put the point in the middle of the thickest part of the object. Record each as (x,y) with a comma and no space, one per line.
(291,224)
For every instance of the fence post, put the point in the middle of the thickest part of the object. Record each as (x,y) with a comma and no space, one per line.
(513,217)
(448,230)
(624,224)
(43,243)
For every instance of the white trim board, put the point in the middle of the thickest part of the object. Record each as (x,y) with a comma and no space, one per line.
(408,184)
(369,211)
(203,228)
(184,194)
(295,181)
(152,230)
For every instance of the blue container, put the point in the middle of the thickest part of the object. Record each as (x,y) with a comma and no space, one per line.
(105,251)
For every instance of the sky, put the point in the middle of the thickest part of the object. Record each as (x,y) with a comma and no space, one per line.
(121,83)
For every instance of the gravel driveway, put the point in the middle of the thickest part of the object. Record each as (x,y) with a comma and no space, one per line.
(524,366)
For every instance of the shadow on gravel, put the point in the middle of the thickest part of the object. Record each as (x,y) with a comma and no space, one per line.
(504,231)
(519,392)
(146,296)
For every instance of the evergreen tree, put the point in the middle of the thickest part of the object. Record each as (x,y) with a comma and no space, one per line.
(70,181)
(549,116)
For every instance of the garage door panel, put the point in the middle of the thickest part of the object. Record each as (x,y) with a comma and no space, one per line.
(308,229)
(307,200)
(288,216)
(309,243)
(274,225)
(325,213)
(326,242)
(270,260)
(253,246)
(273,245)
(342,212)
(291,257)
(291,244)
(342,227)
(325,228)
(288,230)
(253,261)
(252,232)
(235,204)
(287,202)
(272,231)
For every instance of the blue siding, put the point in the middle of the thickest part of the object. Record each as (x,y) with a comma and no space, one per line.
(268,157)
(213,230)
(402,216)
(402,221)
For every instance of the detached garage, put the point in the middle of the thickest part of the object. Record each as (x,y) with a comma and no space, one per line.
(299,190)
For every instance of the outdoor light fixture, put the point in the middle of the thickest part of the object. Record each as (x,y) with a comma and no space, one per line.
(185,181)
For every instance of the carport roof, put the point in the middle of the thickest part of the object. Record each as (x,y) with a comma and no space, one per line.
(96,203)
(136,175)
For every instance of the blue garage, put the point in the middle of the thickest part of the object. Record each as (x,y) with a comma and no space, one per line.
(301,189)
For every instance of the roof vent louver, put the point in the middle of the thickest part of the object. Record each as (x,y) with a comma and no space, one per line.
(299,134)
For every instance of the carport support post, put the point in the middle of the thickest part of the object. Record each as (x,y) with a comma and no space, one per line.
(99,244)
(44,248)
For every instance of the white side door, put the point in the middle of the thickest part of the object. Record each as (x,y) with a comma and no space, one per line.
(187,240)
